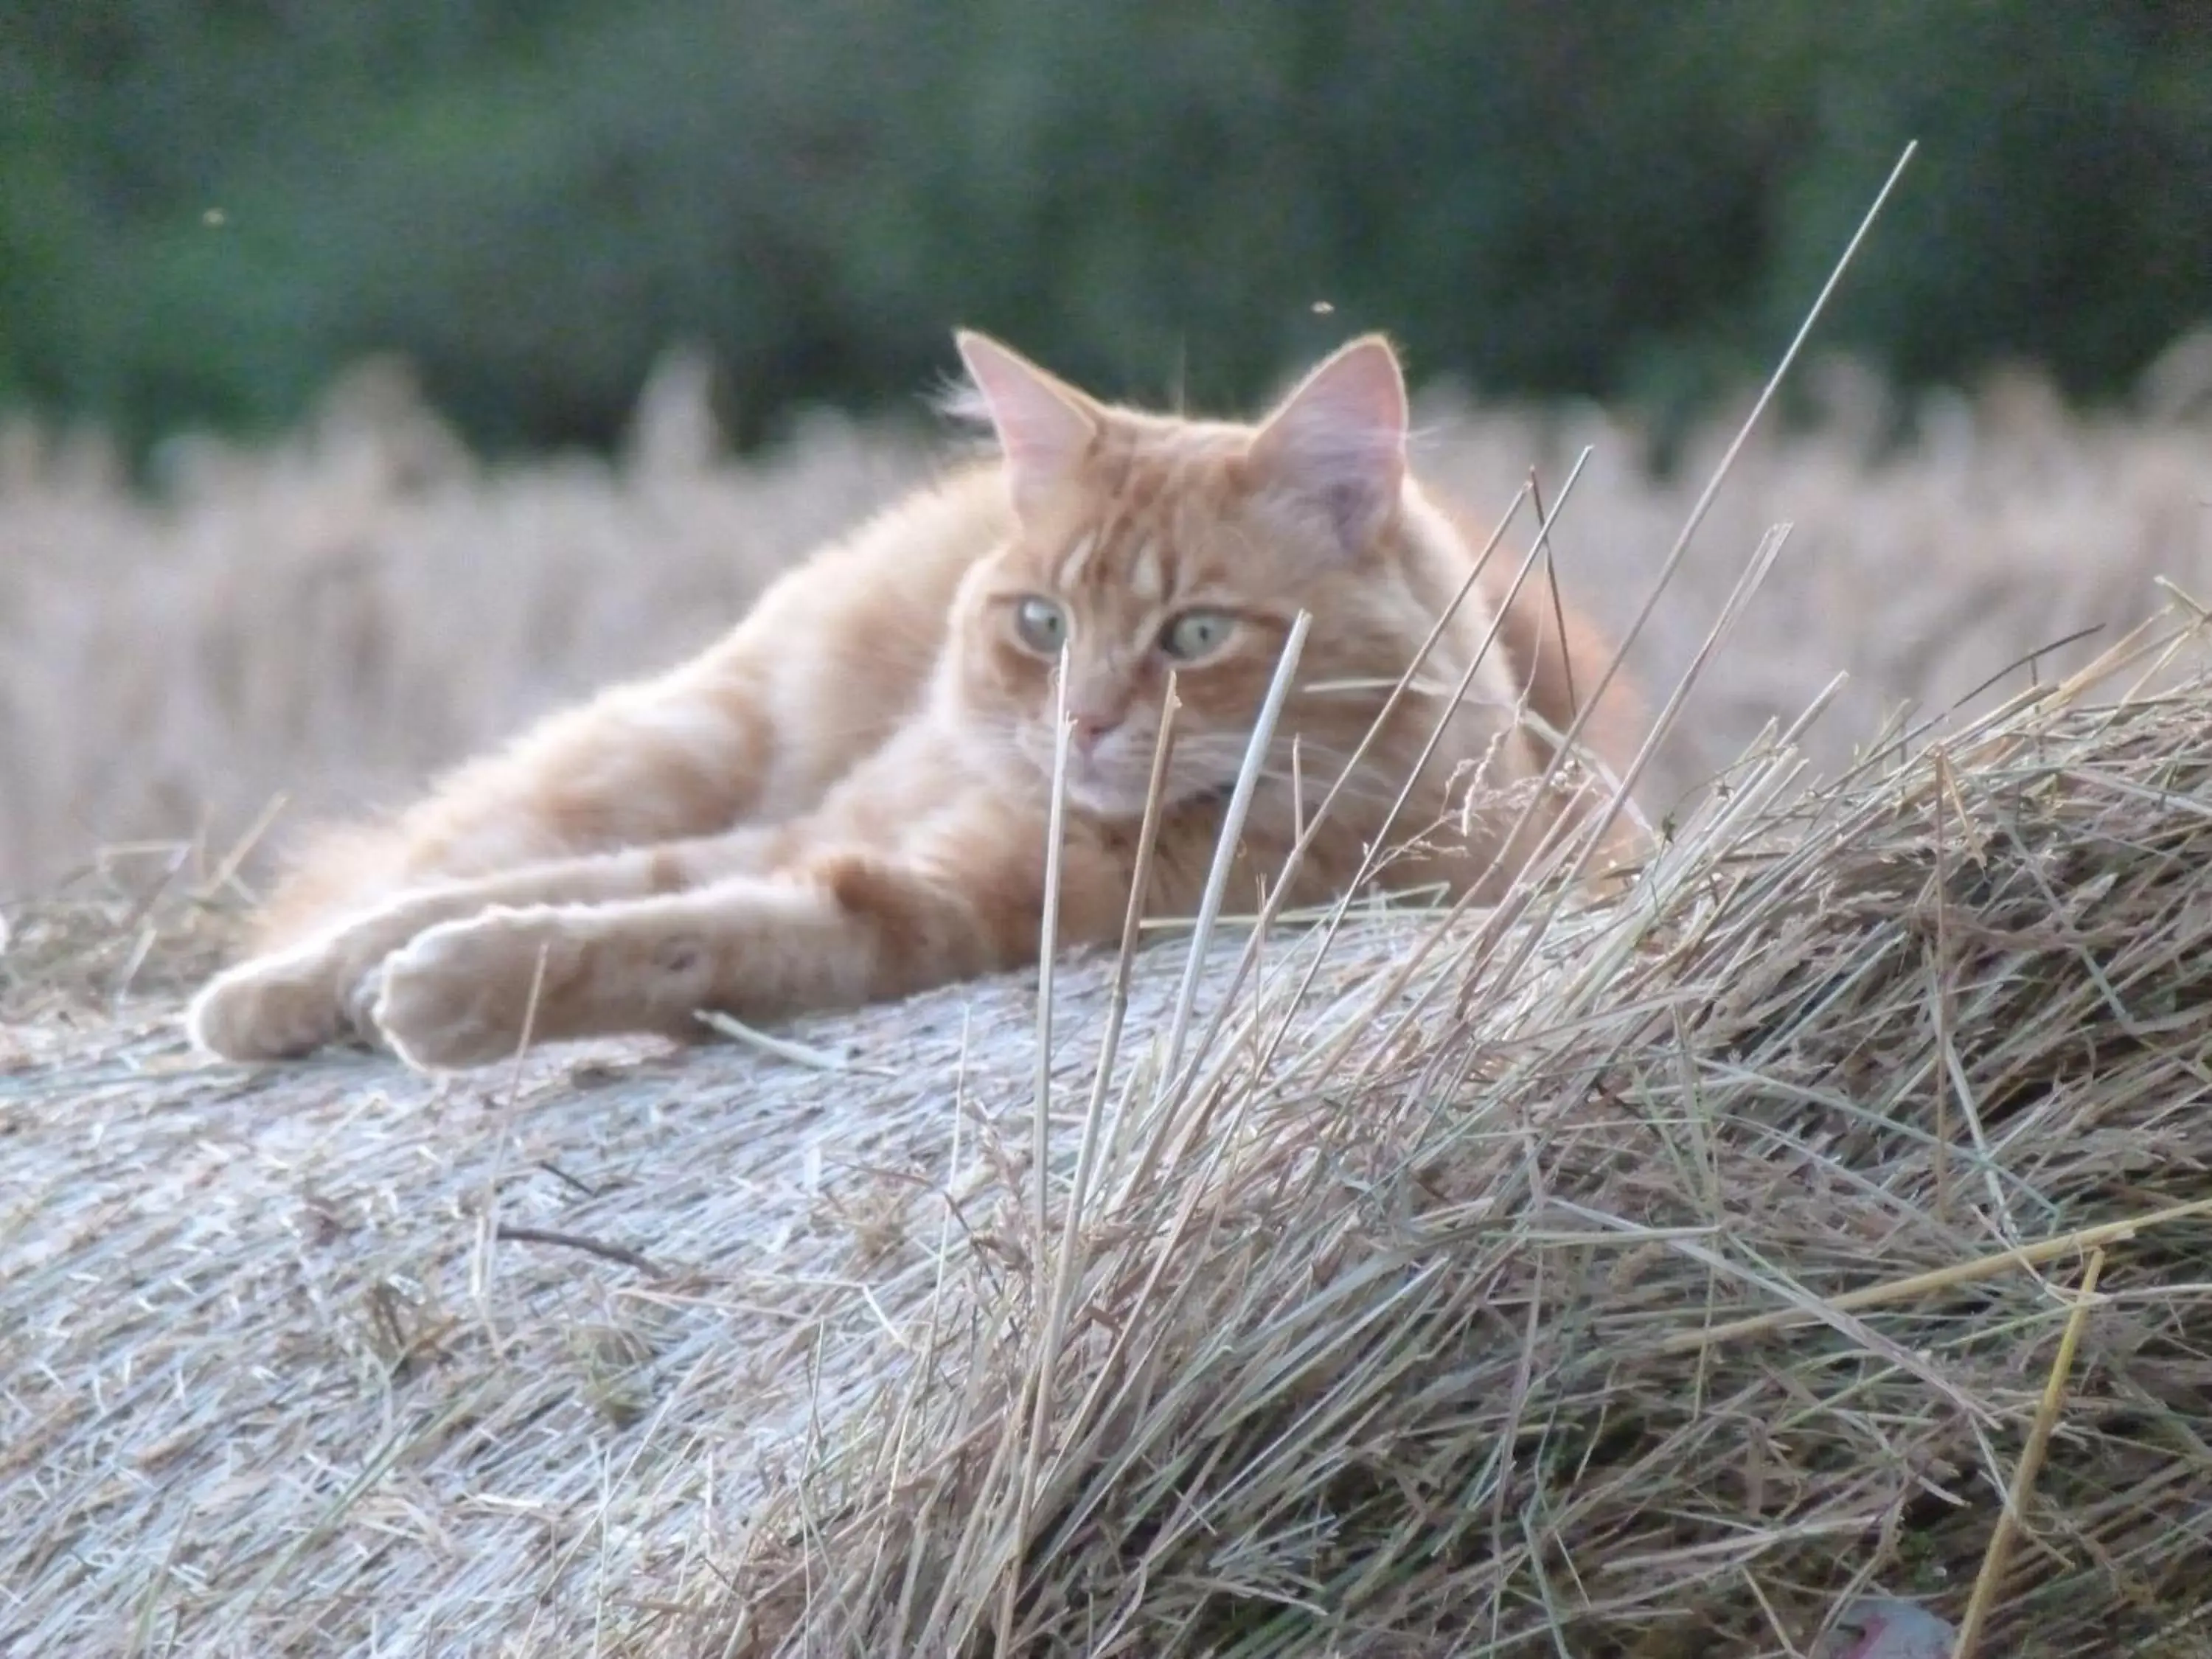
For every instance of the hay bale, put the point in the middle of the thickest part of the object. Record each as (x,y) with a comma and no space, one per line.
(1691,1282)
(1643,1277)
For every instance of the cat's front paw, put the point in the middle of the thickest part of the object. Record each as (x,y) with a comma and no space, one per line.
(469,993)
(273,1007)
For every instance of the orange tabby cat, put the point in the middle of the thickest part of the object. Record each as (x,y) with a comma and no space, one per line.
(846,799)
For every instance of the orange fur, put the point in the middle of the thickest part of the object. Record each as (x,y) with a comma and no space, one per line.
(845,800)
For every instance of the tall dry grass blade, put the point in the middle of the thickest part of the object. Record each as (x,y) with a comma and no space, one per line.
(225,874)
(1311,826)
(1395,985)
(486,1230)
(1048,955)
(1224,859)
(2102,1238)
(1117,1004)
(1069,1265)
(1991,1580)
(1333,921)
(1552,582)
(1590,836)
(810,1056)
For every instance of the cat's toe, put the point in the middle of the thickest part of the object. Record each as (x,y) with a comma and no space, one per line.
(360,1008)
(463,994)
(274,1008)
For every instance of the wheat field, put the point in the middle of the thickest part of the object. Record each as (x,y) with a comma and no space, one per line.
(325,621)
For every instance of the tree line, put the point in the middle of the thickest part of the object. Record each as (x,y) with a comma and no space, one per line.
(206,211)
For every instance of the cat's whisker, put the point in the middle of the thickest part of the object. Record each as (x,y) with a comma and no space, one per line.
(1351,688)
(1371,791)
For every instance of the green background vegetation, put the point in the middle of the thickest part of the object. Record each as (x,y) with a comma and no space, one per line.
(206,210)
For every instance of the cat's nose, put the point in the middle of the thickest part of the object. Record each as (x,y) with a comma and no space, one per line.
(1091,723)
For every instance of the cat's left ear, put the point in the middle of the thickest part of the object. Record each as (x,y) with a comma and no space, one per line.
(1339,440)
(1045,426)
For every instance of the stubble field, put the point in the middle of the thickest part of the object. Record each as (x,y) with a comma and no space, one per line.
(327,621)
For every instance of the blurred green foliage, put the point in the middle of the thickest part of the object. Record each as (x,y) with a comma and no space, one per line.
(208,207)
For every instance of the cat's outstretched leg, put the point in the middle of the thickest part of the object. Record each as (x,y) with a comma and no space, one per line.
(296,999)
(842,930)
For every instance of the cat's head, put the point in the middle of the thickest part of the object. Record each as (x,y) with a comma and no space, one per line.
(1145,544)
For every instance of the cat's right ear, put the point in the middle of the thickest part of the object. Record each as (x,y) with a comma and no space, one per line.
(1339,440)
(1045,426)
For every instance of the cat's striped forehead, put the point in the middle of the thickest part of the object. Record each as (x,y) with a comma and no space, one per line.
(1098,559)
(1148,512)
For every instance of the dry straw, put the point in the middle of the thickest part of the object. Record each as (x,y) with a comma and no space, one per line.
(1741,1256)
(1714,1268)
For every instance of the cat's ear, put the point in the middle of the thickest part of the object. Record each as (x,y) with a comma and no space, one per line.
(1045,426)
(1339,440)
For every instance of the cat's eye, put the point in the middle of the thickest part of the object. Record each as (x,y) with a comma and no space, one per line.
(1041,625)
(1197,634)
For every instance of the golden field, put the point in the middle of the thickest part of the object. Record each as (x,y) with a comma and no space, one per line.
(331,619)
